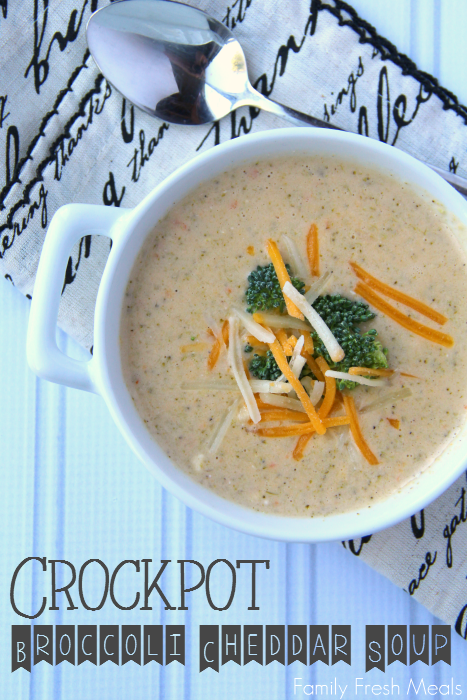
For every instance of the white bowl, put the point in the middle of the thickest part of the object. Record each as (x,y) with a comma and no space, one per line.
(103,373)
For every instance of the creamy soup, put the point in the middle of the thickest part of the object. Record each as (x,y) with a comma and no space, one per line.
(194,266)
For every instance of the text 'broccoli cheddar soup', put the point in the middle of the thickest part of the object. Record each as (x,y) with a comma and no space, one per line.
(294,335)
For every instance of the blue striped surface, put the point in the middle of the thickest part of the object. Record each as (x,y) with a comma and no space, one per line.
(72,489)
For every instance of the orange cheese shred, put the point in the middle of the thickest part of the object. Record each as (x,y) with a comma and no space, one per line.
(338,401)
(194,347)
(299,449)
(329,389)
(372,298)
(312,249)
(281,336)
(395,422)
(255,343)
(351,411)
(298,387)
(368,371)
(311,362)
(308,344)
(395,294)
(225,333)
(283,277)
(283,414)
(303,429)
(216,348)
(303,440)
(214,354)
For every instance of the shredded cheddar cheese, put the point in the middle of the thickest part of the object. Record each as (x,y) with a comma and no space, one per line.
(303,429)
(312,249)
(284,414)
(296,385)
(214,354)
(368,371)
(395,422)
(397,295)
(281,336)
(329,391)
(283,276)
(351,411)
(299,449)
(194,347)
(313,365)
(405,321)
(309,346)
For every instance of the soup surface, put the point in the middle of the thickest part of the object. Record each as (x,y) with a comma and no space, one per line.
(194,266)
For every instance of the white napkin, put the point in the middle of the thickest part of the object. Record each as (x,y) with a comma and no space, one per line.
(70,137)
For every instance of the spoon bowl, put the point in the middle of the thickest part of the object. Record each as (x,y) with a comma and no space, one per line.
(171,60)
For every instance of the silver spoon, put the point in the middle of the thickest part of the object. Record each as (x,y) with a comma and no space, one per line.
(177,63)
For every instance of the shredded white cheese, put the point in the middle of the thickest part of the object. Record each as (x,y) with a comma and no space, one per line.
(297,349)
(297,361)
(297,365)
(197,462)
(318,288)
(390,398)
(282,402)
(254,328)
(236,364)
(296,259)
(243,414)
(281,380)
(267,387)
(282,321)
(307,382)
(317,392)
(355,378)
(332,346)
(222,426)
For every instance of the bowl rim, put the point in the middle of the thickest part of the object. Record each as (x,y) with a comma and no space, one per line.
(385,512)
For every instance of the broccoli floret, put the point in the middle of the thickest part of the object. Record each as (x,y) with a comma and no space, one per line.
(342,315)
(264,367)
(264,291)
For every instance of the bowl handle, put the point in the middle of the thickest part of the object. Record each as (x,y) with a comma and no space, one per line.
(69,224)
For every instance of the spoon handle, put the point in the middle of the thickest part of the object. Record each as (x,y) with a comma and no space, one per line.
(298,118)
(459,183)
